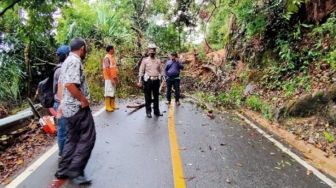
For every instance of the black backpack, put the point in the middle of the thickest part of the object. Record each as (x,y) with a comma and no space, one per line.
(45,91)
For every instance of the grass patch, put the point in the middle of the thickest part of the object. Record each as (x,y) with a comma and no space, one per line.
(328,136)
(256,104)
(229,99)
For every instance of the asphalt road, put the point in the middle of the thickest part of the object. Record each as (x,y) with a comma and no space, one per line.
(133,151)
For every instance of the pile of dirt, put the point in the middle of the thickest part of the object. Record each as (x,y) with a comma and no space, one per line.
(204,74)
(26,148)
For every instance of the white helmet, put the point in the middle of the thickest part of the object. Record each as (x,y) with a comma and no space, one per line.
(152,46)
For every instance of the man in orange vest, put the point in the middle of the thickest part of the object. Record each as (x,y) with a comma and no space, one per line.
(110,72)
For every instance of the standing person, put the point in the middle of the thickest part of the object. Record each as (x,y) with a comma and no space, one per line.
(75,108)
(62,53)
(150,74)
(172,72)
(110,72)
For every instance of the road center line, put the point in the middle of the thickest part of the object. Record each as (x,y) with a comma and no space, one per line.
(317,173)
(33,167)
(179,181)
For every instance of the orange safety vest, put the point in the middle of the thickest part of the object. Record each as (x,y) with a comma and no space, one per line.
(112,70)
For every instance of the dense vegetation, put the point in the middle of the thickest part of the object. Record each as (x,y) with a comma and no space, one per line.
(279,40)
(32,30)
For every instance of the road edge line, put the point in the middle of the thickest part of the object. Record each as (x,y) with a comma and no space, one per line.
(36,164)
(284,149)
(178,175)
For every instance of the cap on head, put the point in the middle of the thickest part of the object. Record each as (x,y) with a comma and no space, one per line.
(63,50)
(152,46)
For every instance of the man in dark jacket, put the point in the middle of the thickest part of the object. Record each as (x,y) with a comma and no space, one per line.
(172,72)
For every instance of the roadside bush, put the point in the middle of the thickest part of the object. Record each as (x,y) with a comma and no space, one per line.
(94,74)
(128,78)
(331,59)
(231,98)
(256,104)
(10,78)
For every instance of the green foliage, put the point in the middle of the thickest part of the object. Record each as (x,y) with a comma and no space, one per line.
(10,78)
(293,7)
(295,57)
(202,56)
(256,104)
(78,20)
(128,78)
(101,24)
(206,97)
(267,111)
(166,36)
(328,136)
(232,98)
(300,82)
(326,28)
(27,28)
(218,34)
(94,74)
(254,19)
(331,59)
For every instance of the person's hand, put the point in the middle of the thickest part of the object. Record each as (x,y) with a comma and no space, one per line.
(59,113)
(139,84)
(84,103)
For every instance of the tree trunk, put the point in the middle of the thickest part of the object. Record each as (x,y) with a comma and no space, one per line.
(28,68)
(317,10)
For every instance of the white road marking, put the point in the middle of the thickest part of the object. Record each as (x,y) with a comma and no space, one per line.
(317,173)
(33,167)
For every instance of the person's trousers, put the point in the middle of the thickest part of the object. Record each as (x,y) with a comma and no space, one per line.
(61,130)
(172,82)
(61,133)
(151,90)
(79,144)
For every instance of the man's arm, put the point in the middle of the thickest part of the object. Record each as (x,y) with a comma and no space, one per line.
(141,70)
(71,80)
(76,93)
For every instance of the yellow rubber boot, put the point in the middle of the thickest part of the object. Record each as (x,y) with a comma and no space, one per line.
(113,103)
(108,104)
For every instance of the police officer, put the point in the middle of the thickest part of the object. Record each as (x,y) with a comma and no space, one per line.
(150,74)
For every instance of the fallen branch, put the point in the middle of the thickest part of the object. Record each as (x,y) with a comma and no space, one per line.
(136,107)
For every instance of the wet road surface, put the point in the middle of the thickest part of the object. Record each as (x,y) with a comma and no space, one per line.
(133,151)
